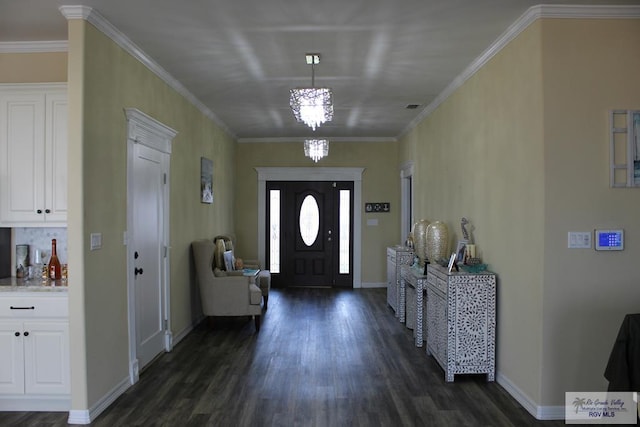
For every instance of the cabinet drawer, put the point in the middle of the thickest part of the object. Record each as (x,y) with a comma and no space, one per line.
(437,283)
(43,306)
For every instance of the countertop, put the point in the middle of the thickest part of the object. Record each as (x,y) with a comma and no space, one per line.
(12,284)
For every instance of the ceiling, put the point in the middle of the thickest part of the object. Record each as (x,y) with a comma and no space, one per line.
(239,58)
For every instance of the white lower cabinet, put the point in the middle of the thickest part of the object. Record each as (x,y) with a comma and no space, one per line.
(34,353)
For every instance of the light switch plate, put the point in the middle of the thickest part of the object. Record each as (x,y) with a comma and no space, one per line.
(96,241)
(579,240)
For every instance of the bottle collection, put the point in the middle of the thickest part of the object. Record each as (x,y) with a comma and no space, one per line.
(51,273)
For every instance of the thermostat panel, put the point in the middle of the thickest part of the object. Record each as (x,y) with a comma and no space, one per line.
(609,240)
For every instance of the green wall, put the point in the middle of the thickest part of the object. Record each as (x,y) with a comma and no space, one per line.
(589,68)
(380,183)
(104,80)
(521,149)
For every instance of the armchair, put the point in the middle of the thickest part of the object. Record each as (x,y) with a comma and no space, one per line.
(225,243)
(227,295)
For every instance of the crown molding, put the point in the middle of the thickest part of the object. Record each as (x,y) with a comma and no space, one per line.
(330,139)
(93,17)
(527,18)
(34,46)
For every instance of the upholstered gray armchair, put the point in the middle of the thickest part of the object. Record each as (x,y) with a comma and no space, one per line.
(227,295)
(225,243)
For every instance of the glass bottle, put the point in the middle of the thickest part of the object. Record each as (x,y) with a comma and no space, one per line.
(54,263)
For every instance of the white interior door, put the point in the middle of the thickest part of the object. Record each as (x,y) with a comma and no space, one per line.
(148,248)
(147,239)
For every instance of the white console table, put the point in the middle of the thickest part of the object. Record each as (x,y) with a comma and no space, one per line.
(397,256)
(461,321)
(415,278)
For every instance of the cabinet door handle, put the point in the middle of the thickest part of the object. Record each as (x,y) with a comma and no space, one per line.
(39,211)
(47,211)
(17,334)
(22,308)
(26,334)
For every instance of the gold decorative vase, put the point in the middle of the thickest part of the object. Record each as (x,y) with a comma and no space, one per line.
(437,241)
(419,232)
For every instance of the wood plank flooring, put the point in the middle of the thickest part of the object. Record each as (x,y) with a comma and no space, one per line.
(323,357)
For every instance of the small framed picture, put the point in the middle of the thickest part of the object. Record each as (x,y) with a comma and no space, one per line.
(206,180)
(452,261)
(228,260)
(460,250)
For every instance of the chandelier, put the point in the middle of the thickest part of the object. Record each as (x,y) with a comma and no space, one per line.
(316,148)
(312,105)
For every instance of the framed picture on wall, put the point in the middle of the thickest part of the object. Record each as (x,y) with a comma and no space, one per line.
(206,180)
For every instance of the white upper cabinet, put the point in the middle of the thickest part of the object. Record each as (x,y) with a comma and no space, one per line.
(33,155)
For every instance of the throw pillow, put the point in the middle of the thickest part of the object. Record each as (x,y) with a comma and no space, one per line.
(219,254)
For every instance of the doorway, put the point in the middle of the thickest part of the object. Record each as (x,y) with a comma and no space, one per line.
(310,227)
(147,239)
(353,175)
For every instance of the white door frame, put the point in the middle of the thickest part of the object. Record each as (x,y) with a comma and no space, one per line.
(406,199)
(314,174)
(143,129)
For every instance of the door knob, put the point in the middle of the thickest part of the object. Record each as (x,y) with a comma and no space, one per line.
(138,271)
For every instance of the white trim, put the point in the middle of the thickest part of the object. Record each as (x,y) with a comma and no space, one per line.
(527,18)
(406,197)
(93,17)
(31,403)
(35,87)
(77,416)
(372,285)
(145,130)
(539,412)
(551,413)
(35,46)
(314,174)
(148,131)
(331,139)
(86,416)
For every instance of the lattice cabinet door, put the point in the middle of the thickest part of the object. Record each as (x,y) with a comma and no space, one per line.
(473,309)
(461,321)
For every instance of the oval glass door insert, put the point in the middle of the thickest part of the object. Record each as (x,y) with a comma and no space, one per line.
(309,220)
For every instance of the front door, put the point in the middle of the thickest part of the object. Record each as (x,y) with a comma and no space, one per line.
(311,229)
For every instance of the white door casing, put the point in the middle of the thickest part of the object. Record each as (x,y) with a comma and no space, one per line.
(313,174)
(148,160)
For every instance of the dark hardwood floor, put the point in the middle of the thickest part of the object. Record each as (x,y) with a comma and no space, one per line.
(323,357)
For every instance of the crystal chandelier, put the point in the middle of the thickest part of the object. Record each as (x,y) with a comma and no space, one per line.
(316,148)
(312,105)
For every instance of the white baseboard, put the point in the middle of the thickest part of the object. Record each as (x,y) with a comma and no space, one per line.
(84,416)
(373,285)
(34,403)
(183,333)
(539,412)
